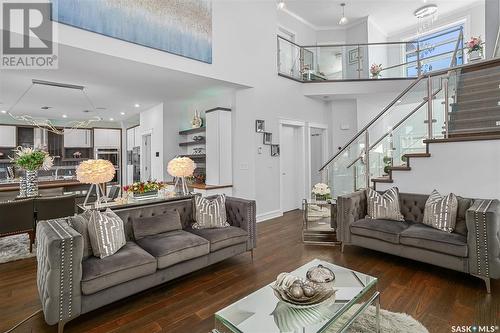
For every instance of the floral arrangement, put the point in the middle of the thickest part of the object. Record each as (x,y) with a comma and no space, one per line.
(321,191)
(30,159)
(144,187)
(474,44)
(375,70)
(95,171)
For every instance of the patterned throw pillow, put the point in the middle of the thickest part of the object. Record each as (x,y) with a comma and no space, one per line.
(210,213)
(441,211)
(384,206)
(106,233)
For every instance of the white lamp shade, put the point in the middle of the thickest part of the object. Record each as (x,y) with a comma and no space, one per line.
(95,172)
(181,167)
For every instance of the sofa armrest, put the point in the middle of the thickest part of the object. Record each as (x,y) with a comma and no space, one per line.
(350,208)
(59,273)
(483,239)
(242,213)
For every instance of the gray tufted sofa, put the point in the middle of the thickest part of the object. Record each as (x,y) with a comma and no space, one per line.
(473,248)
(71,283)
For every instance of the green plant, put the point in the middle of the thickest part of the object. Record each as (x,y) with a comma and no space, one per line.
(143,187)
(387,164)
(32,159)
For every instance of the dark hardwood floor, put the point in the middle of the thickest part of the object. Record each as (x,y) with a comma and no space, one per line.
(439,298)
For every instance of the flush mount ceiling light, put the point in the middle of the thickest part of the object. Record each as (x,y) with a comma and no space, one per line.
(425,11)
(136,105)
(281,4)
(46,123)
(343,20)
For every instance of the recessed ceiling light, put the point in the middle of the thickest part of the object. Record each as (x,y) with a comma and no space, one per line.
(122,113)
(111,119)
(136,105)
(399,101)
(425,11)
(3,111)
(281,4)
(64,116)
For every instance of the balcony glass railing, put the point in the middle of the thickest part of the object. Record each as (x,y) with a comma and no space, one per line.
(397,60)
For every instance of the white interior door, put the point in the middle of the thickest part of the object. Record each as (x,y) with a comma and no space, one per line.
(289,154)
(317,154)
(146,148)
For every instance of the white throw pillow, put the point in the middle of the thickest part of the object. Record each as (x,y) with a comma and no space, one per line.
(384,206)
(441,211)
(106,233)
(210,213)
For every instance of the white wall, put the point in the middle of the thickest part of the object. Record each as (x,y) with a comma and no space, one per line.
(492,20)
(343,124)
(468,169)
(304,34)
(151,121)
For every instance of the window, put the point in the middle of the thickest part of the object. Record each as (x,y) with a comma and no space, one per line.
(435,50)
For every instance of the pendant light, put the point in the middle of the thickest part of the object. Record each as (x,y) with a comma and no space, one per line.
(281,4)
(343,19)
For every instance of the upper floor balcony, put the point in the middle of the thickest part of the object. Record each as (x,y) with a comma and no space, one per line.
(367,61)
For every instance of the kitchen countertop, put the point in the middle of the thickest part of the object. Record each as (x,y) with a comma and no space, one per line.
(203,186)
(5,187)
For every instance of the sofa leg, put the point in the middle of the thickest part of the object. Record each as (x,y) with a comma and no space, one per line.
(60,326)
(342,248)
(251,253)
(487,282)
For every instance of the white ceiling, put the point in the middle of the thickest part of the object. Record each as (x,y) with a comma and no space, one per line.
(112,83)
(390,15)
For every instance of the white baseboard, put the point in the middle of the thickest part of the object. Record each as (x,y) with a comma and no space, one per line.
(269,215)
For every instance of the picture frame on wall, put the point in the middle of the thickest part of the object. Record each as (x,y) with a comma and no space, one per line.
(353,56)
(275,150)
(260,126)
(268,138)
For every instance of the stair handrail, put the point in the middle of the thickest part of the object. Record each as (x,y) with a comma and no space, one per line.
(496,50)
(454,57)
(394,101)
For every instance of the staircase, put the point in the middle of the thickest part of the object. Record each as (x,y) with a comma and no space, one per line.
(462,104)
(477,107)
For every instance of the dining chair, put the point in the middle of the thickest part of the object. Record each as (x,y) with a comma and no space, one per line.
(48,208)
(16,217)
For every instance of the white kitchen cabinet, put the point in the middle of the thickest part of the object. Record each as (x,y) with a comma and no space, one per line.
(133,138)
(107,138)
(78,138)
(7,136)
(219,165)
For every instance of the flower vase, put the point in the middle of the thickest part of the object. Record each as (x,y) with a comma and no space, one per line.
(475,55)
(320,197)
(375,76)
(28,187)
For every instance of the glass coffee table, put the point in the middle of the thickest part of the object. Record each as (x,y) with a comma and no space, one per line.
(262,312)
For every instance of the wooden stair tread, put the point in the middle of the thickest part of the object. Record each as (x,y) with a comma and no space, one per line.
(464,138)
(495,108)
(400,168)
(382,180)
(417,155)
(494,130)
(475,119)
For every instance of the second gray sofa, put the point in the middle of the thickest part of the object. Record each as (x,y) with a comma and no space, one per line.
(71,282)
(473,248)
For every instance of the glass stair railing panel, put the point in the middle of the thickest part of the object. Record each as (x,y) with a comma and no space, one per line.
(387,57)
(346,169)
(324,63)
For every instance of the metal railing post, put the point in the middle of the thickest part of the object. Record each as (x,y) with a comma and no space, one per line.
(446,107)
(419,67)
(367,159)
(429,108)
(359,62)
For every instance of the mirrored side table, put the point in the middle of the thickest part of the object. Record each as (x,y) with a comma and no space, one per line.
(320,222)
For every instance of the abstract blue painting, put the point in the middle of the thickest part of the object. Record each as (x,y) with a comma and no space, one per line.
(182,27)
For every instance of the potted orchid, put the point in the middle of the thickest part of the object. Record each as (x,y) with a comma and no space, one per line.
(375,70)
(31,160)
(475,48)
(321,192)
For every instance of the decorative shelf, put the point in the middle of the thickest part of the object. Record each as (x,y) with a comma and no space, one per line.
(195,156)
(192,131)
(192,143)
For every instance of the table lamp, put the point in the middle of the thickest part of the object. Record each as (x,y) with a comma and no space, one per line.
(95,173)
(180,168)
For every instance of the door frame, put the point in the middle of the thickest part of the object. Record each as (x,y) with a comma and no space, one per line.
(324,128)
(301,155)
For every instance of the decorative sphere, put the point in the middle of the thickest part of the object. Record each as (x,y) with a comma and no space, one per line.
(308,291)
(296,291)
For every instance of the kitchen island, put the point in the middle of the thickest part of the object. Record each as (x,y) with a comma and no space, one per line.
(9,190)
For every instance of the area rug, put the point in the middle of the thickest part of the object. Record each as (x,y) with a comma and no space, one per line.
(15,247)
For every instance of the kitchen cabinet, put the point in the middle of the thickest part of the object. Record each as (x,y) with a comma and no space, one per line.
(7,136)
(107,138)
(78,138)
(133,138)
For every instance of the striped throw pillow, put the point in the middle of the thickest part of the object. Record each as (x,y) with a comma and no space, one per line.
(384,206)
(106,233)
(440,212)
(210,213)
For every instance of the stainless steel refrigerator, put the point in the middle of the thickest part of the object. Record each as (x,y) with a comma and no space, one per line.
(133,165)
